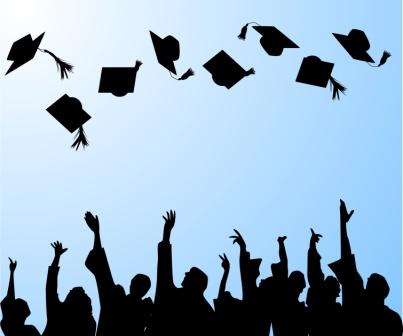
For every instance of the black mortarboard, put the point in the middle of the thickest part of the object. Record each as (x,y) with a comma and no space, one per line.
(356,44)
(69,112)
(273,41)
(118,81)
(225,71)
(167,51)
(24,50)
(316,72)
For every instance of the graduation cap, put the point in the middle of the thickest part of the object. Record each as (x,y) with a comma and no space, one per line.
(316,72)
(167,51)
(356,44)
(69,112)
(225,71)
(273,41)
(24,50)
(118,81)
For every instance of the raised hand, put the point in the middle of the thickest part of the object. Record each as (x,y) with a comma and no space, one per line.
(225,262)
(13,265)
(315,236)
(344,214)
(281,239)
(92,222)
(59,250)
(239,240)
(169,218)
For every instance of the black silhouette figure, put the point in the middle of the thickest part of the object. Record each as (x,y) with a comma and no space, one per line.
(179,311)
(74,315)
(365,312)
(325,313)
(69,112)
(229,313)
(356,44)
(15,311)
(120,314)
(119,81)
(257,319)
(316,72)
(24,50)
(225,71)
(167,51)
(273,41)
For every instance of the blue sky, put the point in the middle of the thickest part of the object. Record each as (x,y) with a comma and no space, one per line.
(270,156)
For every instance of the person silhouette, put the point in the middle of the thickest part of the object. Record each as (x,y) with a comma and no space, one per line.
(15,311)
(74,315)
(229,313)
(256,318)
(119,314)
(324,312)
(364,309)
(184,310)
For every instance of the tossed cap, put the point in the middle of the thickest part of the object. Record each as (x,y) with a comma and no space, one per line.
(167,50)
(314,71)
(356,44)
(225,71)
(274,41)
(118,81)
(69,112)
(23,50)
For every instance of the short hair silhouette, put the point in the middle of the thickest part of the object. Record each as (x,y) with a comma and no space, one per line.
(195,279)
(140,285)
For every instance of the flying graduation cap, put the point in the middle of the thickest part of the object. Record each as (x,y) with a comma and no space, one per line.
(316,72)
(356,44)
(24,50)
(69,112)
(273,41)
(167,51)
(118,81)
(225,71)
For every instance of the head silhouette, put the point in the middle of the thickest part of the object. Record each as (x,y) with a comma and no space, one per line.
(332,288)
(377,288)
(253,268)
(296,283)
(21,311)
(195,280)
(140,285)
(78,302)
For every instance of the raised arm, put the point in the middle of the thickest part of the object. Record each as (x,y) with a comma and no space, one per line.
(11,289)
(93,224)
(52,298)
(248,283)
(345,248)
(226,266)
(283,256)
(315,274)
(97,261)
(164,265)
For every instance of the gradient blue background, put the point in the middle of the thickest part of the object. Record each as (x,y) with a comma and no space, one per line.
(269,157)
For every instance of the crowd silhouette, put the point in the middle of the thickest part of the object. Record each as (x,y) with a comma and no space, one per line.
(272,306)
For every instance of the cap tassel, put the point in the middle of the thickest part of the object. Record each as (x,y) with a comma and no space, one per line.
(137,65)
(62,66)
(244,30)
(187,74)
(384,58)
(251,71)
(336,87)
(80,139)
